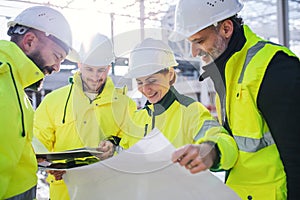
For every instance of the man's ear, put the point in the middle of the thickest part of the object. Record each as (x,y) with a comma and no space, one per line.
(108,68)
(227,28)
(29,42)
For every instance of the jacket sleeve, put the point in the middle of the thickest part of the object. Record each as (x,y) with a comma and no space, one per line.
(280,86)
(128,108)
(44,128)
(124,118)
(208,129)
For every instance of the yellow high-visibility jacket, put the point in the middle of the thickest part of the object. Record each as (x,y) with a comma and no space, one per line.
(183,121)
(67,119)
(258,172)
(18,164)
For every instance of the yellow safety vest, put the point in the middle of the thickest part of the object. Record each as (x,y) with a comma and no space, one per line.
(258,172)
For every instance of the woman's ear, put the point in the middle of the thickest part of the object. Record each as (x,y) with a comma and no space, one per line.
(172,75)
(171,72)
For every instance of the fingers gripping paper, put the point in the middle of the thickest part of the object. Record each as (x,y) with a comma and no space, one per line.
(144,171)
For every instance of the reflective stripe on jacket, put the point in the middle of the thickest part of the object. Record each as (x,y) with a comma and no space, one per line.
(259,172)
(67,119)
(182,121)
(18,164)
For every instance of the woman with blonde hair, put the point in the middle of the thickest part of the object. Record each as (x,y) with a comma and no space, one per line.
(181,119)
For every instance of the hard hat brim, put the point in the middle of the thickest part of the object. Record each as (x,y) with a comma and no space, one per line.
(144,70)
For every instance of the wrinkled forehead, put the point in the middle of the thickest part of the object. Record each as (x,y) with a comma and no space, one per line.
(202,34)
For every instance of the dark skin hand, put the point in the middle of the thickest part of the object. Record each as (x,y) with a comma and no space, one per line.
(58,174)
(106,147)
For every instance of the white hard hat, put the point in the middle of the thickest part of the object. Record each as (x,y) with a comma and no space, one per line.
(47,20)
(149,57)
(192,16)
(97,51)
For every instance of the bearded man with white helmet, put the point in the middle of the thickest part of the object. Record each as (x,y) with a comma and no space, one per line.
(40,40)
(257,84)
(89,112)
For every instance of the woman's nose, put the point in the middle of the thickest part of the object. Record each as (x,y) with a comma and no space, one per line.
(145,88)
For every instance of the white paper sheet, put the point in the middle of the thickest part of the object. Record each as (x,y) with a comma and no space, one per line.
(144,172)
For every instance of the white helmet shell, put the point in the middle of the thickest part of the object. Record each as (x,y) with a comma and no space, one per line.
(149,57)
(97,51)
(47,20)
(192,16)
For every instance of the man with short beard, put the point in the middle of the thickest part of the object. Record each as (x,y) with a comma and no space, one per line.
(257,83)
(40,40)
(89,112)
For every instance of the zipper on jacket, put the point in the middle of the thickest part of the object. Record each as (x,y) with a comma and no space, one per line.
(146,128)
(19,101)
(152,115)
(153,120)
(67,101)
